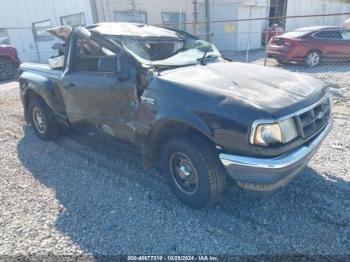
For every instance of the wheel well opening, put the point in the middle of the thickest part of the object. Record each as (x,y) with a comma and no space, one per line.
(27,98)
(165,131)
(315,50)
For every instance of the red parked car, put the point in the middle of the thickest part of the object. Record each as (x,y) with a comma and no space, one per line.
(9,62)
(311,45)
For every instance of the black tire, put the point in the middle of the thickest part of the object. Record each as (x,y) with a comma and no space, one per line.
(281,61)
(51,130)
(313,58)
(208,168)
(7,69)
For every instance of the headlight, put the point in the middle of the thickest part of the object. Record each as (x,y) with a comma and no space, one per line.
(271,133)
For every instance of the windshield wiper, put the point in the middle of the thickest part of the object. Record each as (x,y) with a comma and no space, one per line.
(161,68)
(206,57)
(202,60)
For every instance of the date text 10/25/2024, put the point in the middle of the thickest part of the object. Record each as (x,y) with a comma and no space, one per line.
(173,258)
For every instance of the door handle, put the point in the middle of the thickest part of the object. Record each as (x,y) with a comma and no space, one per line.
(69,86)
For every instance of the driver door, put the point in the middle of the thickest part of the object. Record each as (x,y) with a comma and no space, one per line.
(98,97)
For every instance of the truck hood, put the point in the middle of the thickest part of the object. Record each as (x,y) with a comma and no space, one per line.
(268,89)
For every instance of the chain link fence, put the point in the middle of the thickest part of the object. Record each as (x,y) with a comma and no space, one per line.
(260,31)
(254,31)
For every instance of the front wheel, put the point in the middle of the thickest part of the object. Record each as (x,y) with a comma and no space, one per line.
(42,120)
(194,171)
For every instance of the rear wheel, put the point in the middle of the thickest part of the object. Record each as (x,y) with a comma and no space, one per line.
(194,171)
(281,61)
(313,58)
(42,120)
(7,69)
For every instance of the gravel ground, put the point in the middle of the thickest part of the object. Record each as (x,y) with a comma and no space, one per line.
(77,196)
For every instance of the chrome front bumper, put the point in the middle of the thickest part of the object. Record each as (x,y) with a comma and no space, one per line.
(270,174)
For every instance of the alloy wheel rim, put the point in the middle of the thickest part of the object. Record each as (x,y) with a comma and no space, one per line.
(313,59)
(184,173)
(39,121)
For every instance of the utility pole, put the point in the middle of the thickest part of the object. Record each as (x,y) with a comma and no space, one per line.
(134,10)
(195,16)
(95,16)
(207,20)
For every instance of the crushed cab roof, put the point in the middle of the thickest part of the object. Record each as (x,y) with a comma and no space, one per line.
(132,29)
(62,32)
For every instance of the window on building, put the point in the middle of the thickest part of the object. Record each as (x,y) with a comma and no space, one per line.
(74,20)
(329,34)
(278,9)
(4,38)
(130,16)
(174,20)
(40,33)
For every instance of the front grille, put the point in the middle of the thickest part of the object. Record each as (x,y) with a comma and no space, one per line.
(310,122)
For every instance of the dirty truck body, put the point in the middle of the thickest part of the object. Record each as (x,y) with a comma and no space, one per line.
(203,117)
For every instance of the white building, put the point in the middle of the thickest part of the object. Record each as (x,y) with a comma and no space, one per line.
(233,27)
(23,24)
(237,35)
(189,15)
(316,7)
(177,14)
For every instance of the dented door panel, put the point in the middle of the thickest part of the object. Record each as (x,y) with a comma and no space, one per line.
(102,100)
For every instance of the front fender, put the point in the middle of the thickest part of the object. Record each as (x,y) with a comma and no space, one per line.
(184,118)
(169,124)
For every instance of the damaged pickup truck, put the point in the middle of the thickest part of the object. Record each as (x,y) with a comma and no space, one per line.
(202,117)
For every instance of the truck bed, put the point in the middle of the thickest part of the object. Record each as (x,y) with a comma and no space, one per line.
(42,68)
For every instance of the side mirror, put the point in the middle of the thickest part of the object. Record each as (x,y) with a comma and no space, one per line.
(204,46)
(83,32)
(108,64)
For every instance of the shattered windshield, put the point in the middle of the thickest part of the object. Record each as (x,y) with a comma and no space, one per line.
(170,51)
